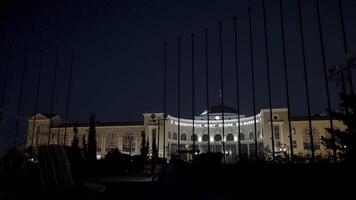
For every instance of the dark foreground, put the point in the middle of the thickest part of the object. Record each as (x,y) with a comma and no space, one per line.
(189,181)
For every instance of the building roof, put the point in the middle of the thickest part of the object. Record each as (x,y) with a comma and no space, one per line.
(98,124)
(305,118)
(218,109)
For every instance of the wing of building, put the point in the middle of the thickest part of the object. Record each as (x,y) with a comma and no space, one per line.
(126,136)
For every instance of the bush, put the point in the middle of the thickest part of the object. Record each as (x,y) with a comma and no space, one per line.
(208,159)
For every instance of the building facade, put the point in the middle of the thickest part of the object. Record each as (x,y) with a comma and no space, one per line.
(173,135)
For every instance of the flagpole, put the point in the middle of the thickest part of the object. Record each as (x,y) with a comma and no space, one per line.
(179,40)
(237,89)
(346,48)
(306,81)
(36,100)
(68,96)
(253,80)
(5,84)
(268,78)
(164,99)
(327,90)
(52,97)
(193,99)
(286,79)
(207,85)
(20,99)
(222,89)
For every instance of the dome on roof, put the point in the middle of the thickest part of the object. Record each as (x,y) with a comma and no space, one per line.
(218,109)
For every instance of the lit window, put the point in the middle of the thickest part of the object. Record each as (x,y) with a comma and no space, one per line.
(230,137)
(251,136)
(205,138)
(276,132)
(217,138)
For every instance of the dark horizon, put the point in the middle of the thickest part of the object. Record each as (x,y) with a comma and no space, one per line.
(118,62)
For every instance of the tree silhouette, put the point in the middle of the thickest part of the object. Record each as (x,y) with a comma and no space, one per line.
(144,146)
(85,147)
(92,139)
(344,140)
(75,154)
(75,142)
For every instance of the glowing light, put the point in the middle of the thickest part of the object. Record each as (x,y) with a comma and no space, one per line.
(98,157)
(217,117)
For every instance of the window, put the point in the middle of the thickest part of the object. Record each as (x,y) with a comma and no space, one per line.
(242,136)
(230,137)
(260,134)
(276,132)
(111,141)
(174,149)
(193,137)
(98,141)
(294,144)
(275,117)
(169,135)
(306,139)
(175,137)
(217,138)
(129,142)
(205,138)
(294,131)
(183,137)
(251,136)
(252,149)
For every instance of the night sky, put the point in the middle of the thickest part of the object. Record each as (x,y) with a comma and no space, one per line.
(118,62)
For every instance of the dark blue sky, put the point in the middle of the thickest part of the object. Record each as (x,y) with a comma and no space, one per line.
(119,54)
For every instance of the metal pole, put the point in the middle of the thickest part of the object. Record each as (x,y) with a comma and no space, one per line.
(306,81)
(222,89)
(36,100)
(179,96)
(268,78)
(253,80)
(237,89)
(326,80)
(344,38)
(207,85)
(193,100)
(286,80)
(5,84)
(157,153)
(20,99)
(68,96)
(52,97)
(164,99)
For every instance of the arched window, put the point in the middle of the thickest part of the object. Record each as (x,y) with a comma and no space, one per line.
(306,139)
(230,137)
(205,138)
(251,136)
(193,137)
(217,138)
(242,136)
(175,137)
(169,135)
(183,137)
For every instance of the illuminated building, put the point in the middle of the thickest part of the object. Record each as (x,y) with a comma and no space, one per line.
(126,136)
